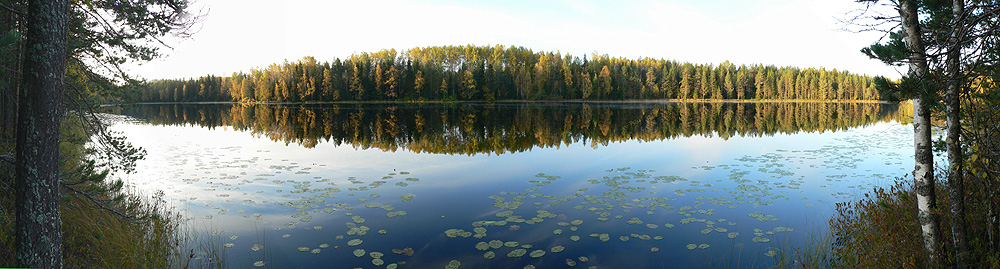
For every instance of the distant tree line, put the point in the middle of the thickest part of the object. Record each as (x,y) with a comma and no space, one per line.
(508,128)
(485,73)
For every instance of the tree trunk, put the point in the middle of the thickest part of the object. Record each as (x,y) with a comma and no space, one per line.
(955,158)
(923,172)
(38,223)
(991,222)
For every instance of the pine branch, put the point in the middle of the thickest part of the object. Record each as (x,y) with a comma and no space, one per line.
(7,158)
(11,10)
(103,206)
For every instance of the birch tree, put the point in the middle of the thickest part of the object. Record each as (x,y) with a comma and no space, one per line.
(907,46)
(948,45)
(923,171)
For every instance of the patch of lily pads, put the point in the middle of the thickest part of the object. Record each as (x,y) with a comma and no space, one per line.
(612,199)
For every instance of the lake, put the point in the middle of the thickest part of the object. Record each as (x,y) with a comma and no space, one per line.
(513,185)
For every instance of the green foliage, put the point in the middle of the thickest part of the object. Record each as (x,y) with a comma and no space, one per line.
(9,39)
(892,52)
(509,73)
(889,89)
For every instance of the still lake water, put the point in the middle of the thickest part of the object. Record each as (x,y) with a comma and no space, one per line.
(620,185)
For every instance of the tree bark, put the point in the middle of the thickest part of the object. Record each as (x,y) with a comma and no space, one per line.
(38,222)
(956,185)
(923,172)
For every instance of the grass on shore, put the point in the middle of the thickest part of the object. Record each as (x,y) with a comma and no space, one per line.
(881,230)
(130,230)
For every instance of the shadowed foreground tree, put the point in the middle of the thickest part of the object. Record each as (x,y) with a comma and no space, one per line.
(953,76)
(38,223)
(68,62)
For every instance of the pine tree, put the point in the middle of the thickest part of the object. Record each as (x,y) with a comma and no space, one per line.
(418,83)
(392,82)
(586,87)
(687,82)
(604,82)
(651,82)
(328,85)
(468,85)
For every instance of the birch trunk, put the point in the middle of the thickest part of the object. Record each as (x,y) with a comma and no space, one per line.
(38,222)
(956,185)
(923,172)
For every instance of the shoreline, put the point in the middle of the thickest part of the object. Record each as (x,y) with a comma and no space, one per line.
(577,101)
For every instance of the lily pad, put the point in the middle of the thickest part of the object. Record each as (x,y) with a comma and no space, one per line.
(517,253)
(605,237)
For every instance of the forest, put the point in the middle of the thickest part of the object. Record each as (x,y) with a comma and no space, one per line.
(488,73)
(472,129)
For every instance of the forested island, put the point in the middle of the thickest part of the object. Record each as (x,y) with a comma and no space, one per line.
(488,73)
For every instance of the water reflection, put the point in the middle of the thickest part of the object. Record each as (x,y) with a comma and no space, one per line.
(606,185)
(507,128)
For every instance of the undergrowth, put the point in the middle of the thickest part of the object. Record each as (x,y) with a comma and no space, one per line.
(881,230)
(125,229)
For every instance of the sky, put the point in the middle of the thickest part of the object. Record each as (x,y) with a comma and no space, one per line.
(237,35)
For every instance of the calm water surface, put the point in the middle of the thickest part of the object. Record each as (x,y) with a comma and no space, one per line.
(590,185)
